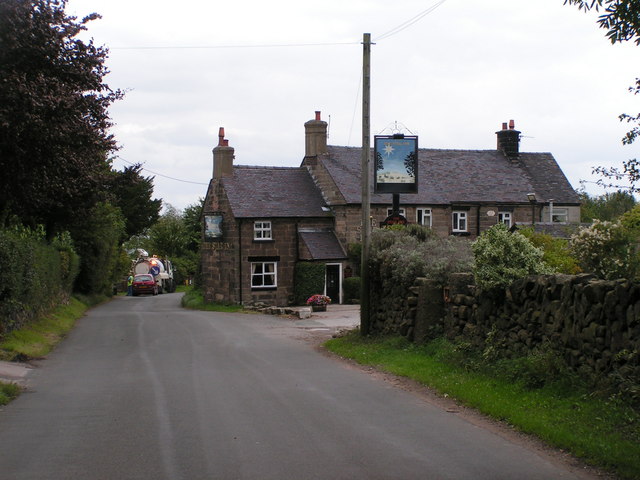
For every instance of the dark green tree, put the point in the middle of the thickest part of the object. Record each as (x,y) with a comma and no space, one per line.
(133,193)
(192,216)
(609,206)
(54,138)
(168,236)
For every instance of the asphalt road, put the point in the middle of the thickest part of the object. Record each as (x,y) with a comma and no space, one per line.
(142,389)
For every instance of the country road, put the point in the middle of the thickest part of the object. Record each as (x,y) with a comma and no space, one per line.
(142,389)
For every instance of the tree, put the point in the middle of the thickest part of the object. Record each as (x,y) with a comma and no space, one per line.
(132,193)
(621,19)
(168,236)
(501,257)
(605,207)
(54,123)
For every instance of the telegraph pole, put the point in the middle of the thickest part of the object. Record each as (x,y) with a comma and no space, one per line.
(365,288)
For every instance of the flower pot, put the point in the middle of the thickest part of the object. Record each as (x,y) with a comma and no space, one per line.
(318,308)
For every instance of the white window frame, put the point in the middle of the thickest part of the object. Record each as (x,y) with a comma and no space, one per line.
(506,218)
(560,215)
(422,214)
(262,230)
(459,221)
(260,272)
(401,211)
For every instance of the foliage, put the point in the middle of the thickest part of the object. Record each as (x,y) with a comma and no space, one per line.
(400,255)
(621,18)
(605,207)
(191,217)
(194,299)
(351,289)
(631,221)
(554,406)
(502,257)
(309,279)
(8,391)
(606,249)
(318,300)
(54,124)
(556,251)
(97,239)
(168,236)
(131,192)
(34,275)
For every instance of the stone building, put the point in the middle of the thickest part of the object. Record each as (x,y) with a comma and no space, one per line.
(261,221)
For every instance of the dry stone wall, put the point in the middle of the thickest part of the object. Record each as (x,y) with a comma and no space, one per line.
(593,324)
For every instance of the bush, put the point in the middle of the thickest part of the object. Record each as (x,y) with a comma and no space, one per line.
(502,257)
(309,280)
(34,275)
(606,249)
(557,253)
(351,289)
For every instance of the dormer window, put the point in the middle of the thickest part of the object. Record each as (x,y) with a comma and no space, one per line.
(262,230)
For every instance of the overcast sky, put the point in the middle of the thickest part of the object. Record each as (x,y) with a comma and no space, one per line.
(452,77)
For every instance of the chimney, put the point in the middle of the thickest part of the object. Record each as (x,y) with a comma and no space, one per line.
(222,157)
(315,137)
(509,140)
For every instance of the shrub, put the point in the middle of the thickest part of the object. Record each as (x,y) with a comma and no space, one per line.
(309,280)
(557,253)
(502,257)
(606,249)
(351,289)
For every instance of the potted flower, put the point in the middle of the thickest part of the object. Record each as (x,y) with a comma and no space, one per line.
(318,302)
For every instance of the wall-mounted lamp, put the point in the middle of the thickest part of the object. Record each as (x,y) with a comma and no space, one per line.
(531,197)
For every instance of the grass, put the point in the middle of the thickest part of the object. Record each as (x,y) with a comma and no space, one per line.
(193,299)
(38,338)
(604,432)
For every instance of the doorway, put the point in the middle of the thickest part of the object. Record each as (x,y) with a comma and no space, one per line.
(332,282)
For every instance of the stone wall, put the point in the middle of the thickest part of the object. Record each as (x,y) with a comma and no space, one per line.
(593,324)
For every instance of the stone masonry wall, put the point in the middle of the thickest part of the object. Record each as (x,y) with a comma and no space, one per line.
(593,324)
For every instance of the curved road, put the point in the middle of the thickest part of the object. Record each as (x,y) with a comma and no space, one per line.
(142,389)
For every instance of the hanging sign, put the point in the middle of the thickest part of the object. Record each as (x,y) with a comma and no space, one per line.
(396,163)
(213,227)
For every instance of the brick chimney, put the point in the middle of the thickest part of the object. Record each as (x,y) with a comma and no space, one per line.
(315,137)
(509,141)
(222,157)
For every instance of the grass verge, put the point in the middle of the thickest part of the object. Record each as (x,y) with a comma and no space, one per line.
(603,432)
(194,299)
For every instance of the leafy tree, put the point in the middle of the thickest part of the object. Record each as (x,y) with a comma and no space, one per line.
(501,257)
(605,207)
(556,251)
(193,224)
(606,249)
(621,19)
(132,193)
(168,237)
(97,240)
(54,123)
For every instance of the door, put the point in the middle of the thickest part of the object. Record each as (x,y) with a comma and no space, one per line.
(332,282)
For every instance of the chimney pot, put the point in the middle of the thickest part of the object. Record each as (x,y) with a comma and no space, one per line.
(504,125)
(512,125)
(220,135)
(318,115)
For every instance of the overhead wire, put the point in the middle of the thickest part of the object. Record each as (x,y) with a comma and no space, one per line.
(159,174)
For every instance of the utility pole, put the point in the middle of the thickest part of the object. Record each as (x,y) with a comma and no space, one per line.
(365,288)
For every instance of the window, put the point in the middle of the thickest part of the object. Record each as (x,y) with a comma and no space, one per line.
(264,275)
(401,211)
(505,217)
(459,221)
(423,216)
(560,215)
(262,230)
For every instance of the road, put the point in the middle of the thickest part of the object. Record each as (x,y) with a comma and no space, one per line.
(142,389)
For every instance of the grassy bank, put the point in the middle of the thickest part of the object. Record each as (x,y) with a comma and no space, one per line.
(604,432)
(38,338)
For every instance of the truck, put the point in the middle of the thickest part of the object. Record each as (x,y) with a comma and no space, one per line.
(160,268)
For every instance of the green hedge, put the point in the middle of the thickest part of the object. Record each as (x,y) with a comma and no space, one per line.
(351,289)
(34,275)
(309,280)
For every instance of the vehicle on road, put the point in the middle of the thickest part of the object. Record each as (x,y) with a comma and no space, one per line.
(160,268)
(144,283)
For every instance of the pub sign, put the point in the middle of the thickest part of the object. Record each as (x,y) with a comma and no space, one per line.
(396,163)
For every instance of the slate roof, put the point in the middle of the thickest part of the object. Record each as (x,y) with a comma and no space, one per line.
(323,245)
(459,176)
(273,192)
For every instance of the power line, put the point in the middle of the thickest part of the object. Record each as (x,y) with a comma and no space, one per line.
(409,22)
(212,47)
(159,174)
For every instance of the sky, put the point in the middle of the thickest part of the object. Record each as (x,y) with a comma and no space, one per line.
(449,71)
